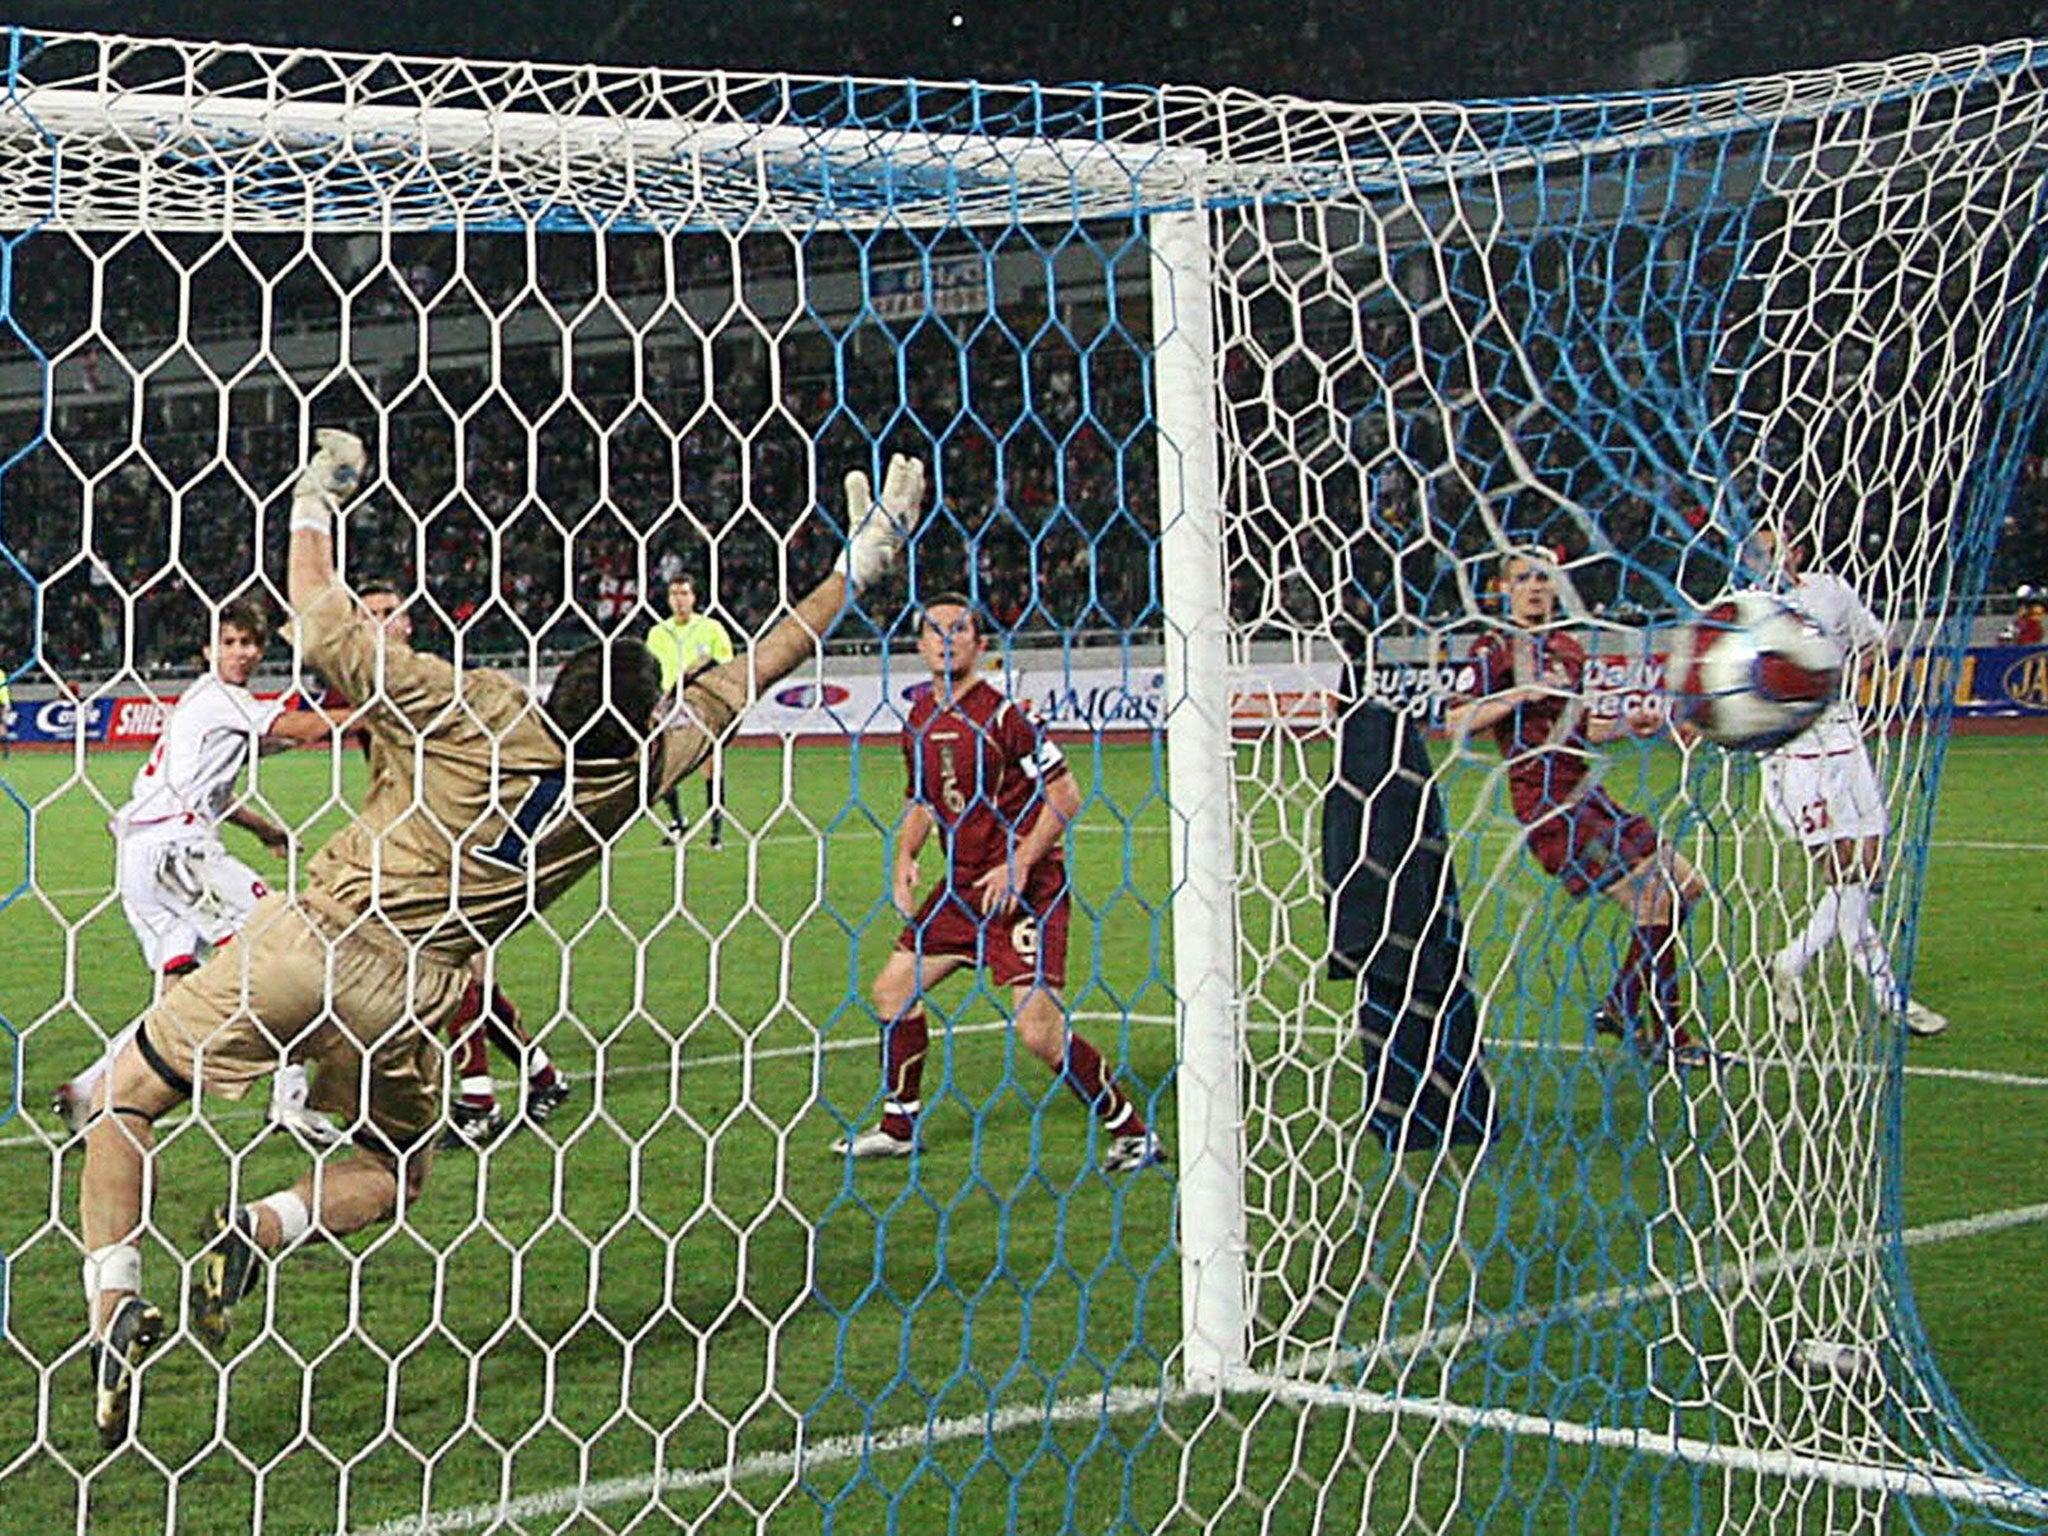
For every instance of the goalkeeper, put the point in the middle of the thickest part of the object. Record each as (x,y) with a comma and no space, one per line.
(507,804)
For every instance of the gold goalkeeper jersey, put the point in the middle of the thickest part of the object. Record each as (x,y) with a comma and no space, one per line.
(472,823)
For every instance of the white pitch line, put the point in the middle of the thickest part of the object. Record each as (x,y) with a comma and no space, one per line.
(786,1052)
(2008,1497)
(790,1467)
(1459,1335)
(787,1467)
(733,851)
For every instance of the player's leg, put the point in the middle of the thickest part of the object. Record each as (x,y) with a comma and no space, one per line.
(391,1073)
(229,891)
(1043,1029)
(1658,892)
(223,1023)
(547,1088)
(171,944)
(220,1026)
(1027,952)
(1796,796)
(474,1117)
(1861,878)
(898,994)
(714,775)
(124,1327)
(673,799)
(336,1198)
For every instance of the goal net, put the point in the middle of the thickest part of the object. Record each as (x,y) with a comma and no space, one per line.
(1234,407)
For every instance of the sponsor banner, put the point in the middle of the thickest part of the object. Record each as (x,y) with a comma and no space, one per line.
(1076,701)
(58,720)
(2003,680)
(135,722)
(1081,700)
(951,286)
(130,721)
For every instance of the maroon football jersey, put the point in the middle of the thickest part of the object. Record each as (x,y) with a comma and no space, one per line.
(979,765)
(1548,755)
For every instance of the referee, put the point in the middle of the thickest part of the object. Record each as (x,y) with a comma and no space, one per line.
(685,643)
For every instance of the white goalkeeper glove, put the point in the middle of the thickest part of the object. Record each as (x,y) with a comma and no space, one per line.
(876,529)
(328,480)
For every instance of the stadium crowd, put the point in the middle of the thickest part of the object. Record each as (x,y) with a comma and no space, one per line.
(532,511)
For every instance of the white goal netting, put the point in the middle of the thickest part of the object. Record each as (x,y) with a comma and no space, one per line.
(1233,408)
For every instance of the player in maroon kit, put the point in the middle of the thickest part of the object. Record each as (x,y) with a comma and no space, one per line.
(1527,695)
(984,774)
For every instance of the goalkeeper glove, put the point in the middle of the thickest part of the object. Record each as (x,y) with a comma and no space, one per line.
(332,476)
(876,529)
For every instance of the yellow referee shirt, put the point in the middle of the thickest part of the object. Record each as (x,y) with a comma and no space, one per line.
(684,645)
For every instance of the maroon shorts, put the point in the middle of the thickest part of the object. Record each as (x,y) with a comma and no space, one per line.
(1028,944)
(1592,842)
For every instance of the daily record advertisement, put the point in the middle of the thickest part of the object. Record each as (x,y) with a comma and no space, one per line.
(1123,694)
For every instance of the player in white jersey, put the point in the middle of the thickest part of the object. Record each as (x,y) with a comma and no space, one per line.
(1821,788)
(183,892)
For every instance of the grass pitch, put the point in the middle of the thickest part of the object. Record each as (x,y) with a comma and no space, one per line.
(676,1278)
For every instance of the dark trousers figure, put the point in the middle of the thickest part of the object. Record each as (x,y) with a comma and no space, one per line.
(1394,924)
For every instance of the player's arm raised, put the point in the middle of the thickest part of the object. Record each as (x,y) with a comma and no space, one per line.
(876,530)
(332,476)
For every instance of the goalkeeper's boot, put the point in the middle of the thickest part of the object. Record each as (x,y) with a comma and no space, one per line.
(1923,1021)
(874,1142)
(543,1099)
(227,1270)
(131,1334)
(472,1127)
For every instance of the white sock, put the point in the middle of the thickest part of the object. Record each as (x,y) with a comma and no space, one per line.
(293,1219)
(116,1267)
(1820,932)
(479,1088)
(88,1080)
(1866,945)
(288,1088)
(536,1059)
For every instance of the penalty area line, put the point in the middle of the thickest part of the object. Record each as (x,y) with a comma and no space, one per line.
(789,1468)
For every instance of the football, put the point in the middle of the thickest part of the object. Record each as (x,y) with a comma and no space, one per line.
(1750,674)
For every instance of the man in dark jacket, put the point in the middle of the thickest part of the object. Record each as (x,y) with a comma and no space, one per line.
(1394,924)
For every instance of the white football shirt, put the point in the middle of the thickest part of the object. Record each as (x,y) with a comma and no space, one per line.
(188,781)
(1833,608)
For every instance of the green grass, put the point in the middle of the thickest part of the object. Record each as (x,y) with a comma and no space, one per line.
(677,1276)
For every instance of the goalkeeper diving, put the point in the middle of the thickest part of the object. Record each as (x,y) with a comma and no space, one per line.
(503,804)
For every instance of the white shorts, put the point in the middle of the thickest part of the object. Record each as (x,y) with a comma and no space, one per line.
(184,895)
(1825,797)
